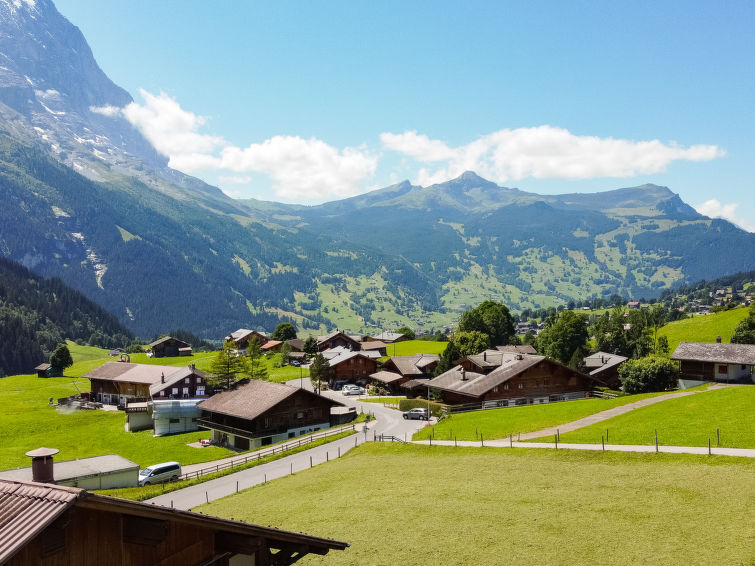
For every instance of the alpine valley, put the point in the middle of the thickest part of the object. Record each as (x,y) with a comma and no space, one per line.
(87,199)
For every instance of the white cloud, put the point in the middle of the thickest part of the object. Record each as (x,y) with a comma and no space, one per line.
(303,169)
(110,111)
(716,209)
(234,180)
(543,152)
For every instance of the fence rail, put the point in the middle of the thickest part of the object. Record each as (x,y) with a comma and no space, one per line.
(301,441)
(389,438)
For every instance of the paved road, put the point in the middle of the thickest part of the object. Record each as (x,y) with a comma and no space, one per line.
(389,422)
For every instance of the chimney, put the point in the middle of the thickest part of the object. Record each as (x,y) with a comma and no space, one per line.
(463,374)
(485,356)
(41,464)
(718,339)
(162,377)
(519,357)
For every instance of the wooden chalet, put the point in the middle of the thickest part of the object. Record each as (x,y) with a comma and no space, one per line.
(261,413)
(390,337)
(117,383)
(375,346)
(243,336)
(700,361)
(43,370)
(525,379)
(168,346)
(272,346)
(338,338)
(398,370)
(605,367)
(48,525)
(351,367)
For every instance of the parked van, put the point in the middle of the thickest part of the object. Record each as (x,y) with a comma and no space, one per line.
(160,473)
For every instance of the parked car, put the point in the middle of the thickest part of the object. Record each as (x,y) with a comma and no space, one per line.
(349,389)
(160,473)
(295,363)
(417,414)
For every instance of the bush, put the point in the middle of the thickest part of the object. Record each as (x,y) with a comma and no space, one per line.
(436,409)
(647,375)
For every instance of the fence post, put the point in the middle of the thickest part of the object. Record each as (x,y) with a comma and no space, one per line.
(709,453)
(482,443)
(206,497)
(265,479)
(603,442)
(455,444)
(656,439)
(339,451)
(237,487)
(310,461)
(555,440)
(558,434)
(519,437)
(718,438)
(327,456)
(511,440)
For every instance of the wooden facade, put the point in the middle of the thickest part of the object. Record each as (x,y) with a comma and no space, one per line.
(337,339)
(353,369)
(169,347)
(76,527)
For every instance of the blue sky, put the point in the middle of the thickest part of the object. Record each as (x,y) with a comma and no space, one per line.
(313,101)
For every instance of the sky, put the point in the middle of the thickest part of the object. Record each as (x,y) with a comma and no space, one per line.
(308,102)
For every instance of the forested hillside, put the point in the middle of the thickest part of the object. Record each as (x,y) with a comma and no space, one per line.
(36,314)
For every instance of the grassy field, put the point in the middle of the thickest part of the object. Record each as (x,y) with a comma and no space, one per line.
(411,347)
(442,505)
(703,328)
(499,423)
(28,422)
(685,421)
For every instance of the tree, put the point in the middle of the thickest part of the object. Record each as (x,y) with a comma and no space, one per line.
(256,363)
(564,338)
(319,371)
(284,331)
(471,342)
(447,358)
(60,359)
(408,332)
(226,365)
(744,333)
(310,346)
(648,374)
(491,318)
(285,353)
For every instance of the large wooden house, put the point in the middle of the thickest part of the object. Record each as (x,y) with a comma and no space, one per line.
(524,379)
(338,339)
(117,383)
(243,336)
(168,346)
(49,525)
(261,413)
(605,367)
(351,367)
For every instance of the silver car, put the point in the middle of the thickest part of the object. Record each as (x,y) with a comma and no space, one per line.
(349,389)
(417,414)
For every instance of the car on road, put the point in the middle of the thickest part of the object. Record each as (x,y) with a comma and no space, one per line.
(296,363)
(160,473)
(350,389)
(417,414)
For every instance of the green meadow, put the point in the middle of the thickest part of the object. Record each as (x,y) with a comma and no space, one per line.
(445,505)
(703,328)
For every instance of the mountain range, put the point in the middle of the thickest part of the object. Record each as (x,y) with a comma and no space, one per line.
(86,198)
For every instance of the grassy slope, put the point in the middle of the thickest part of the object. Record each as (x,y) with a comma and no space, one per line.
(28,422)
(685,421)
(411,347)
(443,505)
(703,328)
(499,423)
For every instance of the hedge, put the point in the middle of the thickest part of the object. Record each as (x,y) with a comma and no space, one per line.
(436,409)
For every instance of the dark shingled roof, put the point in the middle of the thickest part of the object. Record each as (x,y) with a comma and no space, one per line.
(524,349)
(253,399)
(715,352)
(167,339)
(601,361)
(27,508)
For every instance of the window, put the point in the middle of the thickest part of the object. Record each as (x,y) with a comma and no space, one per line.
(495,389)
(162,393)
(300,415)
(187,380)
(723,369)
(175,391)
(199,380)
(200,390)
(521,386)
(174,421)
(505,386)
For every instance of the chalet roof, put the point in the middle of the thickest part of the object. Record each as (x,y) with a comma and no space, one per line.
(412,365)
(253,399)
(176,377)
(42,367)
(296,344)
(476,385)
(347,355)
(352,337)
(271,344)
(66,470)
(517,349)
(125,372)
(601,361)
(490,358)
(243,333)
(27,508)
(389,336)
(374,345)
(386,376)
(715,352)
(415,383)
(165,339)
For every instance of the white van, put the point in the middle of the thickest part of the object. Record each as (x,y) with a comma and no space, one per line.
(160,473)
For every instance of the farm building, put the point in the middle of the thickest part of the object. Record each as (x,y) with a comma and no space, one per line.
(261,413)
(98,472)
(700,362)
(605,367)
(521,380)
(117,383)
(169,347)
(243,336)
(338,339)
(398,370)
(44,524)
(351,367)
(390,337)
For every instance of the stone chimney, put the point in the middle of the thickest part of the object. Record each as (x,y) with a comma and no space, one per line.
(41,464)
